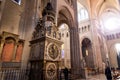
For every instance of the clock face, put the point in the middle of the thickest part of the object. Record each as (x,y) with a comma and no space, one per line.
(51,70)
(53,51)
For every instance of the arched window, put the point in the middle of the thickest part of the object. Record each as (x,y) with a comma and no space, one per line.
(82,13)
(67,34)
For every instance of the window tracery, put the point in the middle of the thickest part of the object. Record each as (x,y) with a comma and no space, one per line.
(82,12)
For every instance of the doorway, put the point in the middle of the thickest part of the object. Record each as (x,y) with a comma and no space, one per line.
(87,53)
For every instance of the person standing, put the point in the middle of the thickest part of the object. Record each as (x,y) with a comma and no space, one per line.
(65,71)
(108,73)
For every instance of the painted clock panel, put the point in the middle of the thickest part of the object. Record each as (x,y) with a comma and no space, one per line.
(51,71)
(53,51)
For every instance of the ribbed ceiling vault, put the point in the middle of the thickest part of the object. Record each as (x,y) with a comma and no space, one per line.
(97,7)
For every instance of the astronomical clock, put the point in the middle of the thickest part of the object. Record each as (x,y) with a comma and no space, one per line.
(53,51)
(45,53)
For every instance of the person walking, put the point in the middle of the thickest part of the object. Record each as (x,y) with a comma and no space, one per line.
(108,73)
(65,71)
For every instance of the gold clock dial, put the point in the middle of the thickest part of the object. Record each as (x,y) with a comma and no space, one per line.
(51,70)
(53,51)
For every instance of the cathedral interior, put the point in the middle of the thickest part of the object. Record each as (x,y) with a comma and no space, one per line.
(39,38)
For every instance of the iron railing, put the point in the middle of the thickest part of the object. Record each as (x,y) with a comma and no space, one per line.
(13,74)
(24,74)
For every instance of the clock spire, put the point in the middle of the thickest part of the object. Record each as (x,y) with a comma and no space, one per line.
(45,47)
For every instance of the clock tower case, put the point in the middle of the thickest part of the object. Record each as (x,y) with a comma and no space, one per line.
(45,52)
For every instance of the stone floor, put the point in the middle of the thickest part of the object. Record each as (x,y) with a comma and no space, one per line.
(92,77)
(95,77)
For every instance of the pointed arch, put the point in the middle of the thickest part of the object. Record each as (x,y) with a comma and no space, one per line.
(65,16)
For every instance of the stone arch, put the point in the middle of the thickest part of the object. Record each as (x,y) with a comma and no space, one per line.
(107,9)
(87,52)
(8,38)
(84,38)
(98,6)
(44,3)
(117,48)
(65,51)
(94,4)
(65,16)
(112,54)
(70,2)
(106,16)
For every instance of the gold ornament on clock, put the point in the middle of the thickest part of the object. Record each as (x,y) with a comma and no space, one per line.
(53,51)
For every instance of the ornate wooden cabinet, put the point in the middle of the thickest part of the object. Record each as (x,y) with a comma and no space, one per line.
(45,54)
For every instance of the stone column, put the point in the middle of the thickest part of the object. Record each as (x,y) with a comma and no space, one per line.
(28,27)
(95,44)
(75,52)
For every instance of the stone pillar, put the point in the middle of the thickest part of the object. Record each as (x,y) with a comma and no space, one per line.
(27,29)
(95,44)
(84,73)
(75,52)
